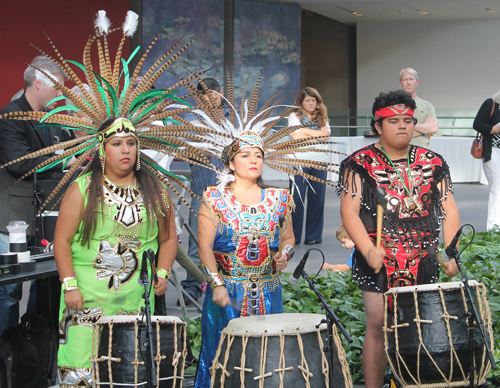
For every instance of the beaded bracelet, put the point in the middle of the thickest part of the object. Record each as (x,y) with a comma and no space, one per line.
(69,284)
(164,273)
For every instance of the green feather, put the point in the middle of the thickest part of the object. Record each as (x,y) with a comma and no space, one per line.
(171,120)
(143,97)
(64,160)
(59,109)
(126,83)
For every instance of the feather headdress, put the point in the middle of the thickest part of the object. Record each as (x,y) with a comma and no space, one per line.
(116,92)
(227,134)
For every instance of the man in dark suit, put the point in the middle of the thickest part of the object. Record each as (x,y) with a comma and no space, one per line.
(19,138)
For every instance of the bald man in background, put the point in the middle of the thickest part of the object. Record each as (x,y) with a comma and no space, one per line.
(425,113)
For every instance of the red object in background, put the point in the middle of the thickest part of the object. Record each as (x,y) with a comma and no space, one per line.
(68,23)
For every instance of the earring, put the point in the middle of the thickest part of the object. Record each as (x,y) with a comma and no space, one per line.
(102,159)
(138,163)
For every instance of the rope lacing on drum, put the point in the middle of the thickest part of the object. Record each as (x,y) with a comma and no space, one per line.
(447,317)
(324,361)
(282,364)
(136,361)
(184,354)
(394,328)
(243,359)
(303,363)
(486,316)
(341,358)
(216,364)
(263,353)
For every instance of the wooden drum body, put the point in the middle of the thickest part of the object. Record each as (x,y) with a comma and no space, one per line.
(427,341)
(278,350)
(119,351)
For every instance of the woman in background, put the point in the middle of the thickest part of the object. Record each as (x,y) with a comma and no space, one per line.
(487,123)
(312,116)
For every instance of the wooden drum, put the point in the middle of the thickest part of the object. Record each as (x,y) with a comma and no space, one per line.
(278,350)
(119,351)
(427,337)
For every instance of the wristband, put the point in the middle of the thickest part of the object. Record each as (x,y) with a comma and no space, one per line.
(289,251)
(164,273)
(213,279)
(69,284)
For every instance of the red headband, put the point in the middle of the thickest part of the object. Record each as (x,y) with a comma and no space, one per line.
(393,110)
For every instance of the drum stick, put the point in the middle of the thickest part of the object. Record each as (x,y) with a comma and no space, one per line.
(380,195)
(380,218)
(282,235)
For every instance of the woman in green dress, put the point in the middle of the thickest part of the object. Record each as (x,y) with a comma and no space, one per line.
(107,219)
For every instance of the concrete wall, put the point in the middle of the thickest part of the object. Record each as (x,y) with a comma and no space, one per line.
(329,60)
(457,61)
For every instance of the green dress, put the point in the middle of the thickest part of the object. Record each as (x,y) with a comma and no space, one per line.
(107,272)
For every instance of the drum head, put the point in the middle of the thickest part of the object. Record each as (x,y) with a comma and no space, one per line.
(137,318)
(431,287)
(274,324)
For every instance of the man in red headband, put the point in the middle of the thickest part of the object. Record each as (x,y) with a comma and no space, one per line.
(414,186)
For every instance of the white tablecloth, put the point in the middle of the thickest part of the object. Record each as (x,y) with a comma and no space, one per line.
(455,150)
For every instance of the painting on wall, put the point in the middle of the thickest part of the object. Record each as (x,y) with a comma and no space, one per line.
(267,38)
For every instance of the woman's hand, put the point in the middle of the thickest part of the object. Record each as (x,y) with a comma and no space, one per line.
(160,286)
(220,296)
(281,261)
(375,258)
(73,300)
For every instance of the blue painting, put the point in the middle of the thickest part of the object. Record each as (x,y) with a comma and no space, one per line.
(267,38)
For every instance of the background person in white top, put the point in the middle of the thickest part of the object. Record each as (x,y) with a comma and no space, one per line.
(425,114)
(312,114)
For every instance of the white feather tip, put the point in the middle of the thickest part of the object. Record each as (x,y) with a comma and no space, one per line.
(102,23)
(130,24)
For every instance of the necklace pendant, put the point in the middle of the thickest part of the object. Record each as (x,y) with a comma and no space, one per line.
(409,203)
(418,205)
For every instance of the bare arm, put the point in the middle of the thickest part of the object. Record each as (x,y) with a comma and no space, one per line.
(349,210)
(70,216)
(304,133)
(206,237)
(430,125)
(451,224)
(167,249)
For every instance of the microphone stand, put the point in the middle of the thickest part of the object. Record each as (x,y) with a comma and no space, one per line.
(331,319)
(473,315)
(38,199)
(146,310)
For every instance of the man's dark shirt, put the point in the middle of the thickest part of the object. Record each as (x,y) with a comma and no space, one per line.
(19,138)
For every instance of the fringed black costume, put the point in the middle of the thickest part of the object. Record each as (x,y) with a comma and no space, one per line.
(411,225)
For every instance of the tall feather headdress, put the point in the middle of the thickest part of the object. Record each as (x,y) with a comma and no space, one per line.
(116,91)
(255,128)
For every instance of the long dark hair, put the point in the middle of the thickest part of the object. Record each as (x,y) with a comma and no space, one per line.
(156,199)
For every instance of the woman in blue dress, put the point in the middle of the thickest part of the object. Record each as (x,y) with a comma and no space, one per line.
(239,236)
